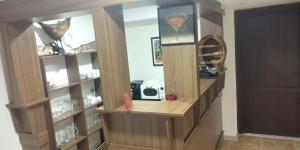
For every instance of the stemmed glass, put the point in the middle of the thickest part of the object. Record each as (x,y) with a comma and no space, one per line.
(66,134)
(176,21)
(64,106)
(93,120)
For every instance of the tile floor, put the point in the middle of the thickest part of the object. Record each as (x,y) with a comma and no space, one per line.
(261,143)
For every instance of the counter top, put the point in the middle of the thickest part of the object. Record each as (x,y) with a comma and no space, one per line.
(162,108)
(176,108)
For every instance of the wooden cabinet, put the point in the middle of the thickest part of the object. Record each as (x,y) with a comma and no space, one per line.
(152,125)
(208,131)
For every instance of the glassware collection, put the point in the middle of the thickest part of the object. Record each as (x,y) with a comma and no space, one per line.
(66,134)
(92,121)
(95,73)
(92,99)
(72,94)
(62,107)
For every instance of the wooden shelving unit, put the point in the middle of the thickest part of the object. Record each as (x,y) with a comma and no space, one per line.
(74,88)
(70,84)
(212,52)
(62,55)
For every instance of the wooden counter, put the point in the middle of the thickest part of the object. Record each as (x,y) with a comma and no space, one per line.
(163,108)
(170,125)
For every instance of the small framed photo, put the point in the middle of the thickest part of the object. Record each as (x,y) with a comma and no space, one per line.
(177,24)
(156,52)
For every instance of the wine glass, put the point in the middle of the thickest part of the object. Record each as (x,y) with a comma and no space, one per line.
(59,135)
(176,21)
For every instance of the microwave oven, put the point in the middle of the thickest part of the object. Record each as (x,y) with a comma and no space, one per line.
(153,91)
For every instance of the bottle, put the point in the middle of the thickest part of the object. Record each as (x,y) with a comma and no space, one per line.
(127,101)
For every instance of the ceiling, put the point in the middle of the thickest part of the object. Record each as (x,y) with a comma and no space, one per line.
(245,4)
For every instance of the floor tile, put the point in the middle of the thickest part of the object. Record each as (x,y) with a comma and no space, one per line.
(260,143)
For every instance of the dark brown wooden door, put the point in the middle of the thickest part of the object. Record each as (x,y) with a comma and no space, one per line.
(268,72)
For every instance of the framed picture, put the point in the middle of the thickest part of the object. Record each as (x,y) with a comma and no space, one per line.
(156,52)
(177,24)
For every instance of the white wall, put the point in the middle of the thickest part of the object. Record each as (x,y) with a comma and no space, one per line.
(9,139)
(80,32)
(140,25)
(229,100)
(138,38)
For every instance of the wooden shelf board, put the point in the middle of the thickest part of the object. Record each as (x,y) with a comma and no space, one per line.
(72,143)
(209,46)
(60,119)
(90,79)
(210,62)
(29,105)
(101,103)
(70,84)
(64,86)
(92,131)
(212,54)
(66,55)
(103,146)
(163,108)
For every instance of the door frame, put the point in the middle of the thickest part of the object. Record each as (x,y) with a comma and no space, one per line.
(238,17)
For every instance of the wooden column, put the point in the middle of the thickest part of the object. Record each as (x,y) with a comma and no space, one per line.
(180,70)
(113,60)
(25,85)
(169,133)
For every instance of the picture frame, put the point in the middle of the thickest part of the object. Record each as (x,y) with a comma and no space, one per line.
(177,24)
(156,51)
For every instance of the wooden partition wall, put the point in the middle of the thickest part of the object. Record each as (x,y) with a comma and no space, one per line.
(25,85)
(111,44)
(180,71)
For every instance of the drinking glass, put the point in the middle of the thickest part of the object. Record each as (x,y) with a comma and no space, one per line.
(59,135)
(75,103)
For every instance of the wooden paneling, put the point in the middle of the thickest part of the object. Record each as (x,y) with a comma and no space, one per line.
(211,20)
(25,84)
(22,71)
(111,46)
(180,70)
(210,28)
(207,134)
(191,130)
(72,68)
(138,130)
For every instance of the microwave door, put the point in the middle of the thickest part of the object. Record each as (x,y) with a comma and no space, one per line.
(150,93)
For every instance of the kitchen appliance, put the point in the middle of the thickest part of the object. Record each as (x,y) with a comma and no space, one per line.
(136,89)
(153,90)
